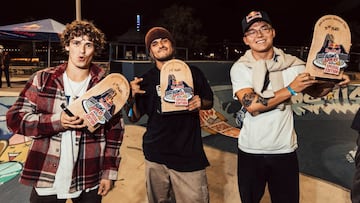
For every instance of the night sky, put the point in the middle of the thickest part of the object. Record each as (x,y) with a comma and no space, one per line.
(293,20)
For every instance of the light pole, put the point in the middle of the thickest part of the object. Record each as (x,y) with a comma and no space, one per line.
(78,9)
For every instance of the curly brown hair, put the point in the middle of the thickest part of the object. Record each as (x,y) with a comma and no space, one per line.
(79,28)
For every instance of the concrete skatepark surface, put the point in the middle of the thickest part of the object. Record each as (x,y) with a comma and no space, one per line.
(222,179)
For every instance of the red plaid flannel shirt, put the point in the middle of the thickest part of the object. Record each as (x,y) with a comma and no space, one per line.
(36,114)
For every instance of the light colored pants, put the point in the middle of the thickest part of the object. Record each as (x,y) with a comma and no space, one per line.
(166,185)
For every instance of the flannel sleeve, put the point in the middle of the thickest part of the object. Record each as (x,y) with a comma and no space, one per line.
(24,117)
(114,137)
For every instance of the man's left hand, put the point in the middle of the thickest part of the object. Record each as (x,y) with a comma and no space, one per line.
(105,186)
(345,81)
(194,103)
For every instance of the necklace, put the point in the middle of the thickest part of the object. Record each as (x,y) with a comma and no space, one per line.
(74,94)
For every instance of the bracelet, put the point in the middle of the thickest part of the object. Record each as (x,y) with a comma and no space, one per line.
(292,92)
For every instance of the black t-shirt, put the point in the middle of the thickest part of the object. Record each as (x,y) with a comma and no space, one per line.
(173,139)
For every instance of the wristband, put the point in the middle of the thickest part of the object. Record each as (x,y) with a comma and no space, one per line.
(292,92)
(130,114)
(130,106)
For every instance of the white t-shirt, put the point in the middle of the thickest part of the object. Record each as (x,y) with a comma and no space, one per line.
(269,132)
(69,148)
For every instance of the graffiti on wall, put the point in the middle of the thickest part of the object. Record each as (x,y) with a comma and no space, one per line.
(340,100)
(13,147)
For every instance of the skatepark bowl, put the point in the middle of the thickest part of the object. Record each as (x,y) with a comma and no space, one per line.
(326,143)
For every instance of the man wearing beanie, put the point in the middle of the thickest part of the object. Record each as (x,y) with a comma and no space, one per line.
(263,80)
(175,160)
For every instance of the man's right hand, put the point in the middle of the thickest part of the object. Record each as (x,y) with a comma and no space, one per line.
(135,87)
(302,81)
(71,122)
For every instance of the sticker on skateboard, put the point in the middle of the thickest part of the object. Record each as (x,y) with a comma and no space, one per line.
(101,102)
(176,86)
(330,46)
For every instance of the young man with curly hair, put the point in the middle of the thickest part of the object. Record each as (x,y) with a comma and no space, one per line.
(64,161)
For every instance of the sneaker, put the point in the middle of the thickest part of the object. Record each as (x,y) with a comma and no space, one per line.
(350,156)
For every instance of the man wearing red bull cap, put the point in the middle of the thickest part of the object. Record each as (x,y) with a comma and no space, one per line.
(263,80)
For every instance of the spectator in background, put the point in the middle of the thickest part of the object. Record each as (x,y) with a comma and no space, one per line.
(5,68)
(355,188)
(1,61)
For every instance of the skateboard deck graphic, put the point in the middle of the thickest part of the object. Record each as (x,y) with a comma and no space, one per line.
(101,102)
(214,122)
(176,86)
(330,46)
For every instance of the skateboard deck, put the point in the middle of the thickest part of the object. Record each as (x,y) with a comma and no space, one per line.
(329,51)
(176,86)
(214,122)
(101,102)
